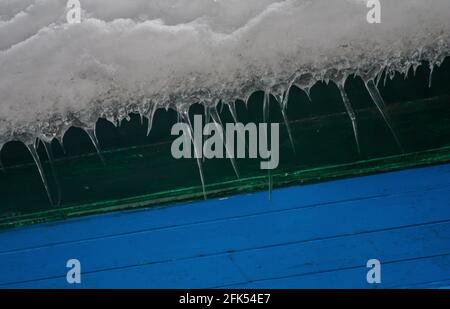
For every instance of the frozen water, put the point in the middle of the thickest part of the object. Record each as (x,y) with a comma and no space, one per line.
(127,55)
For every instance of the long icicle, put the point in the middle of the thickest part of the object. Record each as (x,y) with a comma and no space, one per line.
(232,108)
(378,100)
(430,77)
(283,105)
(207,120)
(94,140)
(216,118)
(185,116)
(379,76)
(351,114)
(266,115)
(151,115)
(32,148)
(51,160)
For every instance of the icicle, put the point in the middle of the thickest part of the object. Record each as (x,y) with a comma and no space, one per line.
(379,76)
(232,107)
(94,141)
(207,113)
(207,120)
(308,93)
(386,74)
(283,105)
(150,116)
(430,78)
(32,148)
(266,106)
(179,117)
(288,128)
(185,116)
(351,114)
(378,100)
(62,147)
(282,101)
(48,150)
(392,75)
(215,117)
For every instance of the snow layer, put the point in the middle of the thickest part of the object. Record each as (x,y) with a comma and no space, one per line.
(130,55)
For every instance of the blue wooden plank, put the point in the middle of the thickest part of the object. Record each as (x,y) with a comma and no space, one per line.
(228,235)
(286,261)
(397,274)
(401,182)
(201,272)
(344,252)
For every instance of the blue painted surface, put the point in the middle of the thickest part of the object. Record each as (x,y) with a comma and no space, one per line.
(314,236)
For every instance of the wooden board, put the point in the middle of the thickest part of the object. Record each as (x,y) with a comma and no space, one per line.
(318,235)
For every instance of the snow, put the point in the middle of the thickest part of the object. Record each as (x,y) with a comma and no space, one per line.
(129,55)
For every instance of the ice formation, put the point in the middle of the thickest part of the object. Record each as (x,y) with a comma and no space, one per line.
(138,55)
